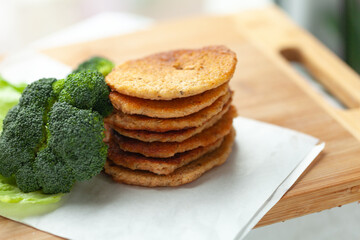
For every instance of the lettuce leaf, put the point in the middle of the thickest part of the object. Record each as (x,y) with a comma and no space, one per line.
(9,97)
(16,204)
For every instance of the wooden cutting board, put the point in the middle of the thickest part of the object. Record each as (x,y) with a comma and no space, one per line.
(266,88)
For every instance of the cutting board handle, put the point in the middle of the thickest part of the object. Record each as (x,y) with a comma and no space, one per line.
(338,78)
(278,37)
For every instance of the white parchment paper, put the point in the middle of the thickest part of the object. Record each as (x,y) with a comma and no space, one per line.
(225,203)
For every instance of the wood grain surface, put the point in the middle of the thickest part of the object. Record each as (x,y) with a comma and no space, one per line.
(266,88)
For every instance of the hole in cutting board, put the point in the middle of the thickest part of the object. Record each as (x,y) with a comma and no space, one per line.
(294,57)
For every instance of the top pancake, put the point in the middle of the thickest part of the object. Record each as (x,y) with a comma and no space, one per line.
(174,74)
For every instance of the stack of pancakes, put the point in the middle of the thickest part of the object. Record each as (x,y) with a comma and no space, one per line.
(173,116)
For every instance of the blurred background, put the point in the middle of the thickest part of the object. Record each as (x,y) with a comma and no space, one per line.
(48,23)
(335,22)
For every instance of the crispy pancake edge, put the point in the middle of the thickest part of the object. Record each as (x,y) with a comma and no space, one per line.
(171,136)
(161,166)
(175,108)
(169,149)
(141,122)
(180,176)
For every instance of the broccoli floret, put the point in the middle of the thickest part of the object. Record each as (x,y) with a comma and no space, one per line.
(26,178)
(102,65)
(99,64)
(20,138)
(90,92)
(23,128)
(52,172)
(58,86)
(81,150)
(38,93)
(54,136)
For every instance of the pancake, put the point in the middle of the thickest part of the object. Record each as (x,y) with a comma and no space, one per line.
(180,176)
(174,74)
(161,166)
(141,122)
(171,136)
(169,149)
(175,108)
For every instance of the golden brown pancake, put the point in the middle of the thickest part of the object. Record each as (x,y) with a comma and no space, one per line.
(161,166)
(171,136)
(141,122)
(169,149)
(174,74)
(175,108)
(180,176)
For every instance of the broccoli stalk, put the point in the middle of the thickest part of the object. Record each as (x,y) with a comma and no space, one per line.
(54,136)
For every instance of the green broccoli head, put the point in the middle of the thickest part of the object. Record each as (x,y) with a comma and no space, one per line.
(22,134)
(38,93)
(53,174)
(23,128)
(82,150)
(26,178)
(54,136)
(102,65)
(85,90)
(73,151)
